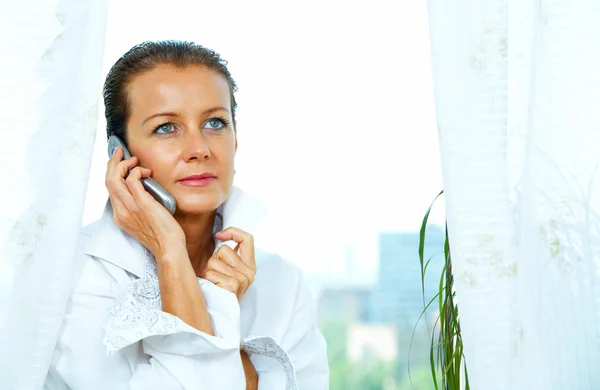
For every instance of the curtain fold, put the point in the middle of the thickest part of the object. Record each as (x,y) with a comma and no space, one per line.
(51,82)
(517,91)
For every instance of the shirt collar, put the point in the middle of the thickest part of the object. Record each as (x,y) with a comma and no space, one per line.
(113,244)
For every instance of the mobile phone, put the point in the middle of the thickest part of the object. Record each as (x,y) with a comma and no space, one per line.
(157,191)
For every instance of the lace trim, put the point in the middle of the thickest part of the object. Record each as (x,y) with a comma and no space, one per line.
(137,313)
(267,346)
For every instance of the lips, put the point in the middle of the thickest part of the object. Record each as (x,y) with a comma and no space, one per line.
(199,177)
(198,180)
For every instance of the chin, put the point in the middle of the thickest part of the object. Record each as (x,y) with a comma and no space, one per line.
(199,203)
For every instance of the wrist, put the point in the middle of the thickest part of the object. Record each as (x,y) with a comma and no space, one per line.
(171,254)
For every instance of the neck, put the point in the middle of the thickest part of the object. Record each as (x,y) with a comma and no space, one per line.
(198,236)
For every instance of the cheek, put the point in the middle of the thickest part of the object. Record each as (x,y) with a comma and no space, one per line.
(225,152)
(159,161)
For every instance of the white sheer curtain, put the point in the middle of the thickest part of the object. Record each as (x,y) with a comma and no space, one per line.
(50,85)
(517,85)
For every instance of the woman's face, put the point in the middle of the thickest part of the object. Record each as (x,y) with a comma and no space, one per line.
(180,125)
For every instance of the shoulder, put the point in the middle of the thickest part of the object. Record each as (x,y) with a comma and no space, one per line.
(279,302)
(279,281)
(272,265)
(80,337)
(91,276)
(86,233)
(93,291)
(88,230)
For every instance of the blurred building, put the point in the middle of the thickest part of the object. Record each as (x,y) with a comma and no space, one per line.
(347,302)
(372,342)
(397,298)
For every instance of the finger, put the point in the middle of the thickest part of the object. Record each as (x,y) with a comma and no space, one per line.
(115,183)
(216,264)
(135,186)
(223,281)
(116,161)
(120,194)
(234,261)
(117,172)
(245,243)
(235,234)
(233,267)
(124,167)
(117,157)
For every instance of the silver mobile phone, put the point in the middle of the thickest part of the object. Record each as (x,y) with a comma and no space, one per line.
(157,191)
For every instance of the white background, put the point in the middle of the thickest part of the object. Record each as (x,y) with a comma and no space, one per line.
(336,121)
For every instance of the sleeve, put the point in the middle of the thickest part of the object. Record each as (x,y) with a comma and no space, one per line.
(299,360)
(181,356)
(194,359)
(123,341)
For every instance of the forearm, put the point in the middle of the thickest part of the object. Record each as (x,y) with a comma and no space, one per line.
(180,291)
(250,372)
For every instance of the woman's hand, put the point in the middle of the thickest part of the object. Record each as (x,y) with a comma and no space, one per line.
(229,270)
(136,211)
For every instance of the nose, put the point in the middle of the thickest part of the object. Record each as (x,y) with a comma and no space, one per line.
(195,146)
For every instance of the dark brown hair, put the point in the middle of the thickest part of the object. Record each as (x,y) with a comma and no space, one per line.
(144,57)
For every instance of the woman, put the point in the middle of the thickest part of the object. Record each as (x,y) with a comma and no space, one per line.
(160,302)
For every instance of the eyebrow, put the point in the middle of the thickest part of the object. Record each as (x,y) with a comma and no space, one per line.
(171,114)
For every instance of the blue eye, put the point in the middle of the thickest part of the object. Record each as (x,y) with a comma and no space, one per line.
(216,124)
(165,128)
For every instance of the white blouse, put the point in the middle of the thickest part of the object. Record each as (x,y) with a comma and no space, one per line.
(115,335)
